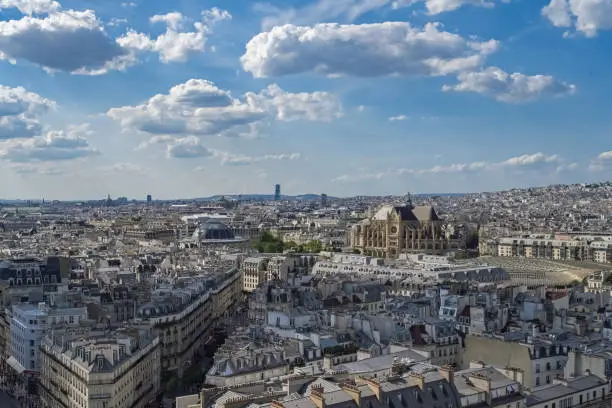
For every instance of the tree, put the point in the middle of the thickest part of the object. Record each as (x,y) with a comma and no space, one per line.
(268,243)
(314,246)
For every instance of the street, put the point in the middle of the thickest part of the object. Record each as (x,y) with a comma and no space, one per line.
(6,401)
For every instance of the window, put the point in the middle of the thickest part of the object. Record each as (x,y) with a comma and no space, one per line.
(537,368)
(537,381)
(548,379)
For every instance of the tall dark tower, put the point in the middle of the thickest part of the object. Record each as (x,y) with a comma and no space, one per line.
(324,200)
(149,198)
(277,192)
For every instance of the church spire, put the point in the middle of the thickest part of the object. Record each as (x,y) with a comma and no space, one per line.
(408,200)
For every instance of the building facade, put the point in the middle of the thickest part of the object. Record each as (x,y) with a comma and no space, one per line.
(254,272)
(185,327)
(29,324)
(592,249)
(119,370)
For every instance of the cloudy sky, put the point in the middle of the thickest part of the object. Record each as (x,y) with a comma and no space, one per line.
(189,98)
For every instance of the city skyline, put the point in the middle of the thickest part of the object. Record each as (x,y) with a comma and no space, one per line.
(359,97)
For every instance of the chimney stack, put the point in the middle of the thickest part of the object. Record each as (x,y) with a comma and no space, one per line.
(317,396)
(417,379)
(353,391)
(447,372)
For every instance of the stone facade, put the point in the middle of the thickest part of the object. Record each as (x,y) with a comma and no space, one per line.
(394,230)
(117,370)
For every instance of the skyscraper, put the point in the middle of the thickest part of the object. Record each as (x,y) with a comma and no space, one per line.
(277,192)
(149,198)
(324,200)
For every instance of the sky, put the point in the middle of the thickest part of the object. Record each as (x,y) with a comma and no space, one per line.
(191,98)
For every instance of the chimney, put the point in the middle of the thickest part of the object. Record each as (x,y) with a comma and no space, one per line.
(374,386)
(448,373)
(353,391)
(317,397)
(417,379)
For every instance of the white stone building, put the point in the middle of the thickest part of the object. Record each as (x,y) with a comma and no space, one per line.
(29,324)
(118,370)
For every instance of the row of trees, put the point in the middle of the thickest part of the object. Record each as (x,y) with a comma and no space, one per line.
(268,243)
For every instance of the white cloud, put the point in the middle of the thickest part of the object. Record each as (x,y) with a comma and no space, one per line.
(240,160)
(175,45)
(322,10)
(126,167)
(160,139)
(13,127)
(385,49)
(349,10)
(18,101)
(54,146)
(76,41)
(173,20)
(19,112)
(188,148)
(115,22)
(398,118)
(442,6)
(514,87)
(70,41)
(531,159)
(129,4)
(194,107)
(289,107)
(585,16)
(602,162)
(30,7)
(536,162)
(199,107)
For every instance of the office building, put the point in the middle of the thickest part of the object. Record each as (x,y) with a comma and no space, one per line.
(323,200)
(277,192)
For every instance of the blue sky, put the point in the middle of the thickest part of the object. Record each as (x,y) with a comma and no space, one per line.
(191,98)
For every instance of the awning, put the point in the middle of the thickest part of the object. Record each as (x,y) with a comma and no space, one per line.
(12,361)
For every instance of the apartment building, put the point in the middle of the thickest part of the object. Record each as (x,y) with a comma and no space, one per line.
(254,272)
(594,249)
(539,361)
(113,370)
(185,314)
(29,324)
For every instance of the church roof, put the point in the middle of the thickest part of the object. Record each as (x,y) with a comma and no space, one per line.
(425,213)
(407,213)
